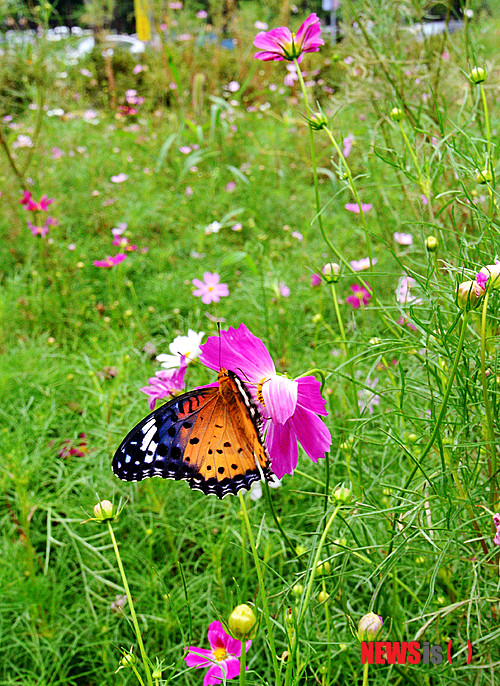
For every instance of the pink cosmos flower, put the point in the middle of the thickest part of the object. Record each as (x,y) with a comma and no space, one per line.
(77,449)
(202,14)
(367,399)
(283,289)
(297,235)
(496,522)
(292,77)
(403,238)
(230,186)
(363,263)
(119,178)
(110,261)
(118,230)
(361,296)
(32,205)
(44,229)
(166,383)
(316,280)
(26,198)
(210,289)
(354,207)
(481,280)
(403,321)
(291,407)
(281,44)
(222,658)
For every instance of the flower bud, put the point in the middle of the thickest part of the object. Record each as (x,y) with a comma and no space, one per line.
(323,596)
(484,176)
(317,121)
(431,243)
(369,626)
(331,270)
(396,114)
(127,660)
(242,622)
(323,568)
(468,295)
(342,494)
(478,75)
(157,673)
(103,510)
(301,550)
(297,590)
(493,271)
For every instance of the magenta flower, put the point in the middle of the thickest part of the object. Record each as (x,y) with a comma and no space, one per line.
(210,289)
(354,207)
(291,407)
(316,280)
(119,178)
(44,229)
(33,206)
(110,261)
(222,659)
(166,383)
(26,198)
(481,280)
(361,296)
(496,522)
(282,44)
(348,143)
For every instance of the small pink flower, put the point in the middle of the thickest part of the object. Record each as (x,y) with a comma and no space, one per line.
(210,289)
(166,383)
(354,207)
(175,5)
(403,238)
(316,280)
(222,659)
(188,191)
(403,321)
(230,186)
(481,280)
(282,44)
(185,149)
(119,178)
(361,296)
(26,198)
(348,143)
(237,227)
(283,289)
(110,261)
(496,522)
(297,235)
(71,247)
(138,68)
(364,263)
(349,59)
(118,230)
(41,206)
(38,230)
(367,399)
(202,14)
(121,241)
(424,199)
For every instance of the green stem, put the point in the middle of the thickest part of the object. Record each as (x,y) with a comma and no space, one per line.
(365,674)
(310,583)
(243,662)
(491,446)
(130,604)
(262,588)
(439,418)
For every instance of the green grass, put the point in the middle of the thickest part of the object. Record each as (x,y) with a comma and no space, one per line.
(417,551)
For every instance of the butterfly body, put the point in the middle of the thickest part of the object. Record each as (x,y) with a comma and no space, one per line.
(210,437)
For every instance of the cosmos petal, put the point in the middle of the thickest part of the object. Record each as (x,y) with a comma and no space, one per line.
(309,395)
(198,657)
(311,432)
(282,446)
(280,397)
(241,352)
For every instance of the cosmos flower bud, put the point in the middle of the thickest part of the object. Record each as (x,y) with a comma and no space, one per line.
(317,121)
(157,673)
(369,626)
(323,568)
(323,596)
(431,243)
(297,590)
(127,660)
(478,75)
(396,114)
(484,176)
(493,272)
(331,270)
(242,622)
(468,295)
(342,494)
(103,510)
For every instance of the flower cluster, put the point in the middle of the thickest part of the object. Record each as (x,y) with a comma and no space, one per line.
(31,205)
(119,240)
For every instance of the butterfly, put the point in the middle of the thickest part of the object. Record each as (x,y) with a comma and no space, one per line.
(210,437)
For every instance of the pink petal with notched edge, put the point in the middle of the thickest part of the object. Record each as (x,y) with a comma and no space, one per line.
(271,41)
(309,395)
(282,446)
(217,672)
(312,434)
(309,34)
(218,638)
(240,351)
(280,398)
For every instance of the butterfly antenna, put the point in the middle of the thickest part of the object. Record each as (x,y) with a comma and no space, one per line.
(220,346)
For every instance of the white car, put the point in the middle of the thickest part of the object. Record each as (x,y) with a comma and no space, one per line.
(111,41)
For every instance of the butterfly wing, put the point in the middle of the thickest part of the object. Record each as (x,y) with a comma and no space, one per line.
(211,437)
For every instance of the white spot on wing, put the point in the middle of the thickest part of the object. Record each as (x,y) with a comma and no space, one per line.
(148,436)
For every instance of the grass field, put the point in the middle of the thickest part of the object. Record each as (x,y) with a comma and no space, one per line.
(215,173)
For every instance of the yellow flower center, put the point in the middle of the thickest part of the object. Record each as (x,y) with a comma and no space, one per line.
(260,396)
(210,288)
(219,654)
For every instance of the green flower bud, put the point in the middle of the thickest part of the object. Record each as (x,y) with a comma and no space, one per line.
(484,176)
(369,626)
(157,673)
(301,550)
(127,660)
(323,568)
(317,121)
(103,511)
(396,114)
(242,622)
(468,295)
(431,243)
(323,596)
(342,494)
(297,590)
(331,271)
(478,75)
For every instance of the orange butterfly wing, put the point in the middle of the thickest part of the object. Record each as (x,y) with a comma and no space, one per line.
(210,437)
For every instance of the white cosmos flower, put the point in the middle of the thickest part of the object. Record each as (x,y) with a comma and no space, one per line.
(189,346)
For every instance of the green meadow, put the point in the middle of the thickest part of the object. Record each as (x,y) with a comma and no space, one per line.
(204,160)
